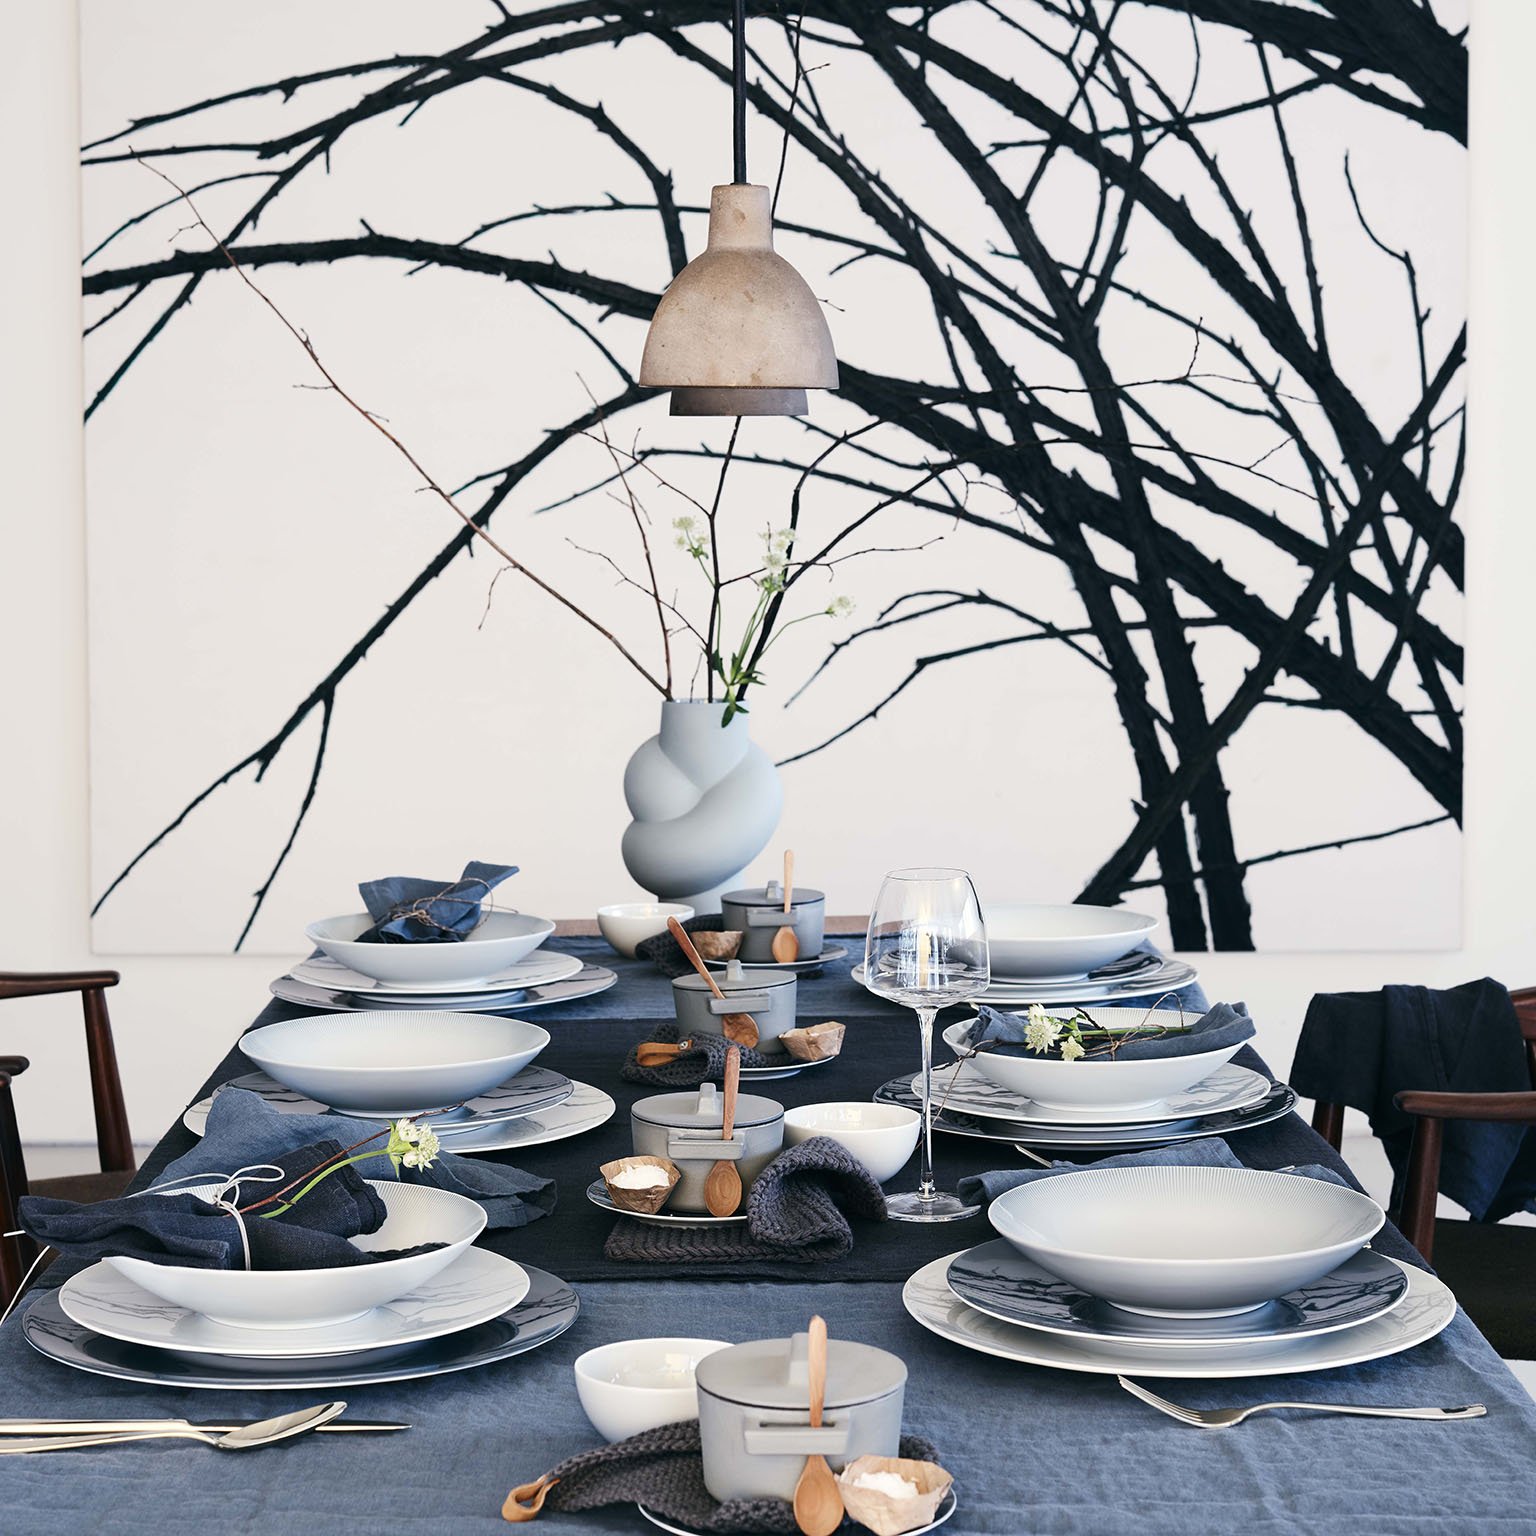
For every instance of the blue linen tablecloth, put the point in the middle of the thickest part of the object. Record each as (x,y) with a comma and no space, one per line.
(1033,1450)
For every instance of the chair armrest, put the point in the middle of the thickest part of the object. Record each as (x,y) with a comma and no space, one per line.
(13,1066)
(1515,1107)
(42,983)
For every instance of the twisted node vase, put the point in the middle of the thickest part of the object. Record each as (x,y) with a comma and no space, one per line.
(705,801)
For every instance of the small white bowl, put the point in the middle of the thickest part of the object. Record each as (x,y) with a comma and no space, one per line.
(881,1136)
(1058,1084)
(317,1298)
(639,1384)
(501,940)
(1186,1241)
(626,924)
(1027,939)
(382,1061)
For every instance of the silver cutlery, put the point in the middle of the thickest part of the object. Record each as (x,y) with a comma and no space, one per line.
(149,1426)
(246,1437)
(1225,1418)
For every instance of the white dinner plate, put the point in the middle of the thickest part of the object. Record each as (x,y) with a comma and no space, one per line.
(539,970)
(587,982)
(962,1089)
(1153,981)
(1423,1312)
(597,1193)
(476,1287)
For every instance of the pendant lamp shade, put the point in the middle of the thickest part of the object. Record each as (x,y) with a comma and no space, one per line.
(739,332)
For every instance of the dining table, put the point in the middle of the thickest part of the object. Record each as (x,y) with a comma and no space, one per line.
(1032,1450)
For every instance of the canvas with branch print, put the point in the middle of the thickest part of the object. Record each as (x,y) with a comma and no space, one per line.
(1150,325)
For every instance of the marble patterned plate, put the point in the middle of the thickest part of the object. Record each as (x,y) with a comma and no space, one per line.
(946,1508)
(597,1193)
(1278,1102)
(997,1279)
(1151,981)
(538,970)
(589,981)
(1426,1309)
(962,1088)
(476,1287)
(549,1308)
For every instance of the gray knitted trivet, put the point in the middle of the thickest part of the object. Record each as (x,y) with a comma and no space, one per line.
(705,1060)
(795,1215)
(662,1469)
(666,954)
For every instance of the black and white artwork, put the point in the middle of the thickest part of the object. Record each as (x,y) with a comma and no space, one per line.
(1149,448)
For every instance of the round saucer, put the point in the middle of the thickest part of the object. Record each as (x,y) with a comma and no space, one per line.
(597,1193)
(790,1068)
(809,967)
(665,1522)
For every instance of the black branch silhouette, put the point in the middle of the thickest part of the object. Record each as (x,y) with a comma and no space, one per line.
(1350,507)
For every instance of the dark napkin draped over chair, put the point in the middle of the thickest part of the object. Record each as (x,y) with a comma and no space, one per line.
(244,1129)
(410,911)
(187,1230)
(664,1470)
(797,1214)
(1225,1024)
(1361,1048)
(666,954)
(705,1059)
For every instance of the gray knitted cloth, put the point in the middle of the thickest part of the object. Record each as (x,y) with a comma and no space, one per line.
(664,952)
(662,1469)
(795,1216)
(705,1060)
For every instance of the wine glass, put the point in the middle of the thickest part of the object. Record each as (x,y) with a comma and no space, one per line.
(927,948)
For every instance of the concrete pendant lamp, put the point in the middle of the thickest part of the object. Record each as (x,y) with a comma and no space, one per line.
(738,332)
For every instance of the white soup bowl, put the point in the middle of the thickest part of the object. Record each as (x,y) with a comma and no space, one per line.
(626,924)
(1027,939)
(639,1384)
(881,1136)
(501,940)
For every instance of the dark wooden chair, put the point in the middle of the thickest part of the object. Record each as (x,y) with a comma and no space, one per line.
(113,1142)
(1491,1267)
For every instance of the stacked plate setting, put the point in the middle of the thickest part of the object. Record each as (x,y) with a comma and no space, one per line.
(1181,1271)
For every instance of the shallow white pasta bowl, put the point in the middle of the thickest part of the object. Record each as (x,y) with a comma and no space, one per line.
(1186,1241)
(501,940)
(1058,1084)
(316,1298)
(394,1061)
(1027,939)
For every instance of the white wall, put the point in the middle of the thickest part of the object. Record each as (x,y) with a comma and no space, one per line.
(173,1015)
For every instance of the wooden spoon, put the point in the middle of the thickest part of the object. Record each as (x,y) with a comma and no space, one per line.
(786,947)
(818,1501)
(739,1028)
(722,1184)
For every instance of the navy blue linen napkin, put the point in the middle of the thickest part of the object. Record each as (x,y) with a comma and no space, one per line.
(1361,1048)
(1209,1152)
(410,911)
(243,1129)
(186,1230)
(1224,1024)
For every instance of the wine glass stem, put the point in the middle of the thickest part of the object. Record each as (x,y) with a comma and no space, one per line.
(926,1189)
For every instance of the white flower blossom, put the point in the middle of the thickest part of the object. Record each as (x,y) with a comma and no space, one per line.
(1072,1048)
(1041,1031)
(412,1144)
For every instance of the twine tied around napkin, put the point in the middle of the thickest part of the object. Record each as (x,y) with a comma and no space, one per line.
(1220,1026)
(664,1470)
(704,1058)
(797,1213)
(410,911)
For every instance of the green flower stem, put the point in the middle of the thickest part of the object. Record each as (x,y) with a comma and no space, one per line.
(325,1173)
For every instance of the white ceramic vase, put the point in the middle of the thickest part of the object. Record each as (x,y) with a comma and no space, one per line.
(705,802)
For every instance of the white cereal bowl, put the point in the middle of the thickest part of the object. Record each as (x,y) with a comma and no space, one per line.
(639,1384)
(318,1298)
(1186,1241)
(881,1136)
(401,1061)
(1058,1084)
(1026,940)
(627,923)
(501,940)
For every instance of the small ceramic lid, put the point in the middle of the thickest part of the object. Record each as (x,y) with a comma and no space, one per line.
(771,1373)
(772,895)
(735,979)
(703,1108)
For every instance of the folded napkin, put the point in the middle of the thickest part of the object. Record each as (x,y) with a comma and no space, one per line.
(408,911)
(1210,1152)
(185,1229)
(664,1470)
(705,1060)
(243,1129)
(1225,1024)
(795,1215)
(1361,1048)
(666,954)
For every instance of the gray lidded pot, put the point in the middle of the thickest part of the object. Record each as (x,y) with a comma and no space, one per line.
(754,1413)
(768,996)
(685,1129)
(758,913)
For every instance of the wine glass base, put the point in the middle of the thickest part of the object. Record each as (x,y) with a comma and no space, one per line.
(939,1207)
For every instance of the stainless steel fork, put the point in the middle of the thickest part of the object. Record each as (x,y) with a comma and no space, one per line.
(1225,1418)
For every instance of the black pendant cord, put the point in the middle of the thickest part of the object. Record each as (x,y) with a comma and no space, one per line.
(739,94)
